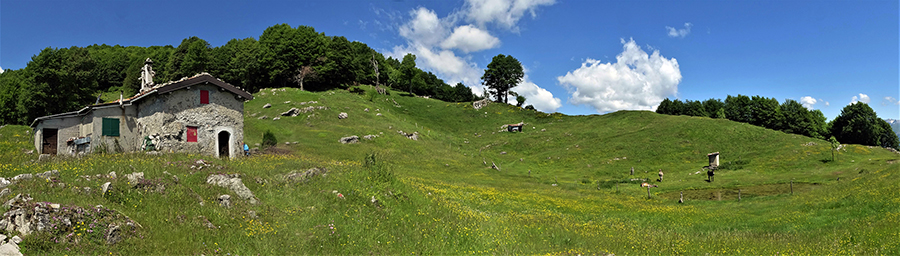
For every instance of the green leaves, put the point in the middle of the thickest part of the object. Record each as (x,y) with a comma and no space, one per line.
(503,73)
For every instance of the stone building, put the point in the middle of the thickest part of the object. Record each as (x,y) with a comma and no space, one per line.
(199,114)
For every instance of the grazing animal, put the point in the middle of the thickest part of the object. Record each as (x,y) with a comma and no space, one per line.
(645,184)
(710,173)
(660,175)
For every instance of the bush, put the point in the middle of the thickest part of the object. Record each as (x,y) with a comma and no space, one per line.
(269,140)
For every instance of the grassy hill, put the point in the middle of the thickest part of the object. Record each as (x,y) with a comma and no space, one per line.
(564,185)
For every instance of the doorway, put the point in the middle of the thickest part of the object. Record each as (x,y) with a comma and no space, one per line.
(50,141)
(224,141)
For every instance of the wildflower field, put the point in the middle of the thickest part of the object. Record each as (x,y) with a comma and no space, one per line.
(564,186)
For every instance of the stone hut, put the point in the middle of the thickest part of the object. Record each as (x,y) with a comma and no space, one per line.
(198,114)
(713,160)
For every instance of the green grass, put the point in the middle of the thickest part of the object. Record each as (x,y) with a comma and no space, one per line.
(564,190)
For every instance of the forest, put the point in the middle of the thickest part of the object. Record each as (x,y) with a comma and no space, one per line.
(857,124)
(59,80)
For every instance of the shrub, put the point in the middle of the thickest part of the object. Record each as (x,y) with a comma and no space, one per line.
(268,139)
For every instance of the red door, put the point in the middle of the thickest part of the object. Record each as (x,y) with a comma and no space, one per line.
(191,134)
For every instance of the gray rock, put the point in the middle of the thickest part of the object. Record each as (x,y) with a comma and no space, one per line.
(370,137)
(342,115)
(43,157)
(276,118)
(291,112)
(351,139)
(113,234)
(112,175)
(24,176)
(15,239)
(2,238)
(134,178)
(48,174)
(305,175)
(378,114)
(267,105)
(263,117)
(10,249)
(234,183)
(106,187)
(225,201)
(4,182)
(252,214)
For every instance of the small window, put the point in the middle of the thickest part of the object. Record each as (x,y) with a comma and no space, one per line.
(204,97)
(110,127)
(192,134)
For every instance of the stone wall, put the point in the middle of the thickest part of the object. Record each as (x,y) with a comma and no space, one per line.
(127,140)
(67,128)
(166,118)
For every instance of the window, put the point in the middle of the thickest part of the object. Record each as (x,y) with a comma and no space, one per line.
(110,127)
(192,134)
(204,97)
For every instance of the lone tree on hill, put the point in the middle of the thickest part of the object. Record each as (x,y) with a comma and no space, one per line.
(858,124)
(504,73)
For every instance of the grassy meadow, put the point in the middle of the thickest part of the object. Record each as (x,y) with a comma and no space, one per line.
(564,186)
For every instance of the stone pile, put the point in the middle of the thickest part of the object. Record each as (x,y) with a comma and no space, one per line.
(349,140)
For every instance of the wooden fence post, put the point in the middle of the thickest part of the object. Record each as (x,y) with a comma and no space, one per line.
(739,195)
(681,200)
(648,192)
(792,187)
(617,187)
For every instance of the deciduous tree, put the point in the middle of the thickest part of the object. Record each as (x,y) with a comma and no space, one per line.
(502,74)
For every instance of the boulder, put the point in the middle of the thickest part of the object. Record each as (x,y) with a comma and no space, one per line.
(263,117)
(370,137)
(305,176)
(291,112)
(106,187)
(4,182)
(112,175)
(9,249)
(342,115)
(24,176)
(134,177)
(225,201)
(267,105)
(234,183)
(351,139)
(48,174)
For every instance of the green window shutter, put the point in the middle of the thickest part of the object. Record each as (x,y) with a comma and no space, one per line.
(110,127)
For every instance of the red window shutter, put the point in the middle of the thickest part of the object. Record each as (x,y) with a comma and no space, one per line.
(204,97)
(191,134)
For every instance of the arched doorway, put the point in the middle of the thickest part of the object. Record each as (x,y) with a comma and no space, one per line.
(224,141)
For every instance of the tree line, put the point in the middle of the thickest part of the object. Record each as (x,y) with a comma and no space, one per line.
(58,80)
(857,124)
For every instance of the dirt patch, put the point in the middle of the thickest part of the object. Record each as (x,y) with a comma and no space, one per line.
(746,192)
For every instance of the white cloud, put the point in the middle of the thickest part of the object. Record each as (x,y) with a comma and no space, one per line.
(862,98)
(505,13)
(1,70)
(425,28)
(636,81)
(826,103)
(468,38)
(680,32)
(808,102)
(540,98)
(890,101)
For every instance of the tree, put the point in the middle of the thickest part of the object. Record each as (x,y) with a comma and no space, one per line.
(720,114)
(834,146)
(712,106)
(858,124)
(766,112)
(737,108)
(503,73)
(520,100)
(408,71)
(190,58)
(303,73)
(665,107)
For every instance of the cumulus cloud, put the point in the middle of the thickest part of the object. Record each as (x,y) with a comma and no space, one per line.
(468,38)
(424,28)
(862,98)
(680,32)
(890,101)
(636,80)
(808,102)
(505,13)
(540,98)
(1,70)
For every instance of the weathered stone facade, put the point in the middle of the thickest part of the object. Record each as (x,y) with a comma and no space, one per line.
(200,114)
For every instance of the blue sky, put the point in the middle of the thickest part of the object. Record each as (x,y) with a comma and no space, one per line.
(581,57)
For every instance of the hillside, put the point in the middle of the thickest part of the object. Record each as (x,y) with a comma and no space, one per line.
(564,185)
